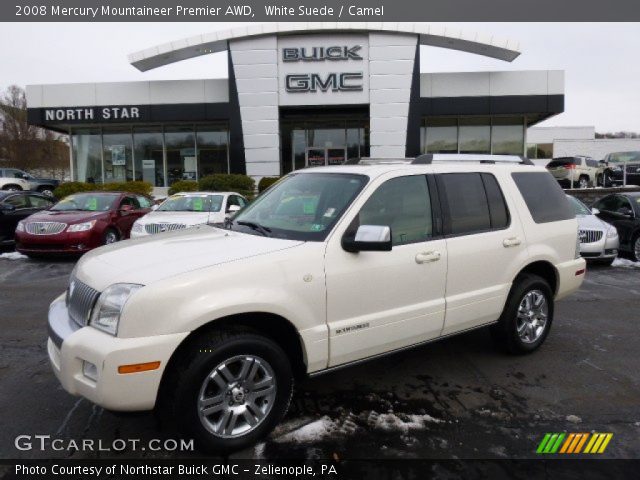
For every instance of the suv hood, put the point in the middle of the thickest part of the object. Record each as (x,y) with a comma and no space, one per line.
(188,218)
(64,217)
(150,259)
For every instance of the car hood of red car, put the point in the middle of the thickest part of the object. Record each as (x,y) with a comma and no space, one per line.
(68,217)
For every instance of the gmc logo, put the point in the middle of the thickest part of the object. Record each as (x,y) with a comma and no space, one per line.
(336,82)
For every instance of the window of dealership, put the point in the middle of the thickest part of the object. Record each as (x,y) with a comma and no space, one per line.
(471,134)
(158,154)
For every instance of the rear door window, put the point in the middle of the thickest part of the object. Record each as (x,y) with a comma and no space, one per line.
(544,198)
(498,210)
(465,203)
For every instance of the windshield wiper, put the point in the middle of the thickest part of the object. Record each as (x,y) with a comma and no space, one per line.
(266,231)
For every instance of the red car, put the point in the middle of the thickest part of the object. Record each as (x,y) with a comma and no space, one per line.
(81,222)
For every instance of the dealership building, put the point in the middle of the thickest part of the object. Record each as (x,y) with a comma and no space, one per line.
(297,95)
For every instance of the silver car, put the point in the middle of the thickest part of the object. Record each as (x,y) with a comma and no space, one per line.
(599,240)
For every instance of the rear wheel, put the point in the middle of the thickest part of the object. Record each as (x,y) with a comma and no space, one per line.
(635,248)
(527,316)
(230,389)
(110,236)
(583,182)
(12,188)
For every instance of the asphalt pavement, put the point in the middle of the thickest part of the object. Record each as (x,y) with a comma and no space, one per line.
(457,398)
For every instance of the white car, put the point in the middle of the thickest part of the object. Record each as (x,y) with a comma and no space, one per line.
(599,240)
(185,210)
(329,267)
(13,183)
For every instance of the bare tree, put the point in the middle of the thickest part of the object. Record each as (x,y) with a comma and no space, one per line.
(26,146)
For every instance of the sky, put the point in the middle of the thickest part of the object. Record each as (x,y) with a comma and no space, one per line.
(600,60)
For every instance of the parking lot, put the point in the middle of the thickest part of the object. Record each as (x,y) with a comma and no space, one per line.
(458,398)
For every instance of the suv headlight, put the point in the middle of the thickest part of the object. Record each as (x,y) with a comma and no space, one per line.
(81,227)
(612,232)
(106,313)
(20,226)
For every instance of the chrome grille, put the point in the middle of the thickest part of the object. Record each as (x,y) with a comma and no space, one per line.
(80,300)
(45,228)
(590,236)
(163,227)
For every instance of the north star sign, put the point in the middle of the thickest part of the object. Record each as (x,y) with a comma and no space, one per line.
(312,82)
(91,113)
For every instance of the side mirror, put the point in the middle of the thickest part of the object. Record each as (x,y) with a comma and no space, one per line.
(368,238)
(126,208)
(154,207)
(595,211)
(233,208)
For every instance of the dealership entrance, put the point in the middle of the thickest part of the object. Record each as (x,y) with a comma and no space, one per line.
(314,138)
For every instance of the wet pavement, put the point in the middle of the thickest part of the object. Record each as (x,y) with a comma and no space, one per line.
(458,398)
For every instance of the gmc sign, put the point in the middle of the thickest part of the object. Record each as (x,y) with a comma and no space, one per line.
(336,82)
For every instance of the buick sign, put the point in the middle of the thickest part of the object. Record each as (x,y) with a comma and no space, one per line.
(318,54)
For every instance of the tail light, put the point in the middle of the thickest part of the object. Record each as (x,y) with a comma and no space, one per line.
(571,166)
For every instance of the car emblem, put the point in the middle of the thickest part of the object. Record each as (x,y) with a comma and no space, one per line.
(163,228)
(43,229)
(583,237)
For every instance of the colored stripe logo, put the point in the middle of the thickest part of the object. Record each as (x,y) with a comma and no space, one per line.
(574,443)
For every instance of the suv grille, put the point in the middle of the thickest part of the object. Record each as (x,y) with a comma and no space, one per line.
(80,300)
(45,228)
(163,227)
(590,236)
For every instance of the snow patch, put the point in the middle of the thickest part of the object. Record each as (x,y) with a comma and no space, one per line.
(310,432)
(625,263)
(403,423)
(13,256)
(573,419)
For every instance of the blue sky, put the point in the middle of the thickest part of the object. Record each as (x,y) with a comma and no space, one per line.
(602,70)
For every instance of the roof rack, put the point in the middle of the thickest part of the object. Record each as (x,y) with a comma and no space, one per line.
(429,158)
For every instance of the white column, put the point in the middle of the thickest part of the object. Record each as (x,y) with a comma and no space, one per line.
(391,59)
(255,66)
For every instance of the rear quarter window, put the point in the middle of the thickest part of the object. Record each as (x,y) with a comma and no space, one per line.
(544,198)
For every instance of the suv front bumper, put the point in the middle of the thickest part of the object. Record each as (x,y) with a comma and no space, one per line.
(70,346)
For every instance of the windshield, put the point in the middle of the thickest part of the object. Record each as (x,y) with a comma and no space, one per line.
(302,206)
(619,157)
(191,203)
(87,202)
(578,207)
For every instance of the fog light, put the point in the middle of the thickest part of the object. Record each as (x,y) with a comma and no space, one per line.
(89,370)
(80,246)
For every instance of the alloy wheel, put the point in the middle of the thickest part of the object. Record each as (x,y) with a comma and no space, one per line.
(583,182)
(237,396)
(110,237)
(533,313)
(636,249)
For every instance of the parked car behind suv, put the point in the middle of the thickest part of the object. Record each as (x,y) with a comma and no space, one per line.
(329,267)
(614,165)
(42,185)
(184,210)
(599,241)
(12,183)
(575,172)
(622,210)
(16,206)
(81,222)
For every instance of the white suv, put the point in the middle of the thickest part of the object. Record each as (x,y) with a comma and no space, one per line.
(13,183)
(330,266)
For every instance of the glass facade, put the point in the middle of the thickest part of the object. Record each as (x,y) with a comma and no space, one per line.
(160,155)
(309,143)
(488,135)
(540,150)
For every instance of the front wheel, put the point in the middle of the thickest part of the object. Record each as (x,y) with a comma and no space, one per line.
(635,249)
(110,236)
(583,182)
(230,390)
(527,316)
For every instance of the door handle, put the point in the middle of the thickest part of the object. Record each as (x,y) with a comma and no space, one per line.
(511,242)
(428,257)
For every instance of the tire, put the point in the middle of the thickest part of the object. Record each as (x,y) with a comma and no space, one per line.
(635,248)
(583,182)
(200,374)
(12,188)
(506,331)
(110,236)
(48,191)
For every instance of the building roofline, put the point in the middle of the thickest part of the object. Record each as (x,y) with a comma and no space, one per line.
(430,35)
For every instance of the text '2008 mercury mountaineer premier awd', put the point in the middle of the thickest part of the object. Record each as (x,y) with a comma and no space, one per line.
(330,266)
